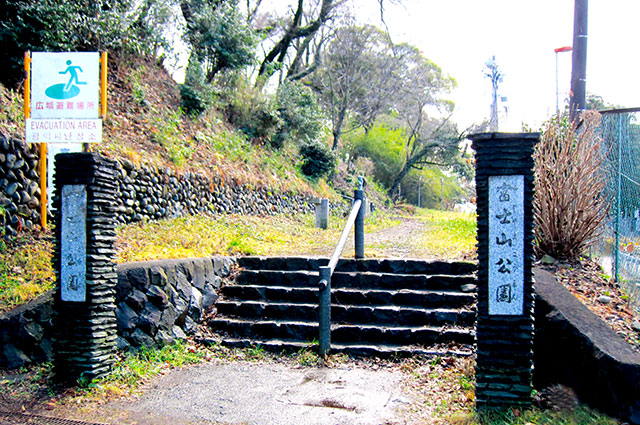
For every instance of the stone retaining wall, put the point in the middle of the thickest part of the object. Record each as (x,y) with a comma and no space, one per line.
(154,193)
(157,303)
(144,192)
(19,186)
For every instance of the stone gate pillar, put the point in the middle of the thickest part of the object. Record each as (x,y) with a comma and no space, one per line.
(84,261)
(504,328)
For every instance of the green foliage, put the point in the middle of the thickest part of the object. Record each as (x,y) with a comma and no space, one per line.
(169,135)
(249,110)
(384,146)
(300,113)
(307,357)
(317,159)
(138,90)
(11,111)
(434,186)
(136,367)
(220,37)
(579,416)
(71,25)
(191,101)
(194,93)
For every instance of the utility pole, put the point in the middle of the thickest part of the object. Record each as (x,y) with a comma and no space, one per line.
(441,193)
(579,58)
(495,75)
(419,189)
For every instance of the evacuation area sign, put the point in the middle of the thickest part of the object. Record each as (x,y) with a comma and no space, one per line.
(65,98)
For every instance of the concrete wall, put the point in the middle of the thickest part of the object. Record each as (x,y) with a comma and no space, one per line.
(573,347)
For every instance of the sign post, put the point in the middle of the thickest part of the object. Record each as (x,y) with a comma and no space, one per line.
(65,97)
(504,328)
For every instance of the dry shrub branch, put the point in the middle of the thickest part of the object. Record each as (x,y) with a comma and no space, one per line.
(570,205)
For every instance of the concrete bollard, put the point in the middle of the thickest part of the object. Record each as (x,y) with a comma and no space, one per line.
(322,213)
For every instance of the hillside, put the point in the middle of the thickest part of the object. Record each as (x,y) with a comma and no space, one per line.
(145,125)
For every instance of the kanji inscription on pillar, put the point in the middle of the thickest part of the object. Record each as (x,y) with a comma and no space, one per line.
(506,245)
(73,247)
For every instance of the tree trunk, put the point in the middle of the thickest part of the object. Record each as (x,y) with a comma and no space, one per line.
(337,129)
(398,180)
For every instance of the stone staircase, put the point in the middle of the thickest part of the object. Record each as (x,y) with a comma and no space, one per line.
(379,307)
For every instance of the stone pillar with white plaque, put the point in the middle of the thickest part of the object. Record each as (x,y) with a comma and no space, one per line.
(84,259)
(504,327)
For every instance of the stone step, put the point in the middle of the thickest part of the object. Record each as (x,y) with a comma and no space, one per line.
(404,297)
(343,333)
(355,349)
(361,280)
(403,266)
(374,314)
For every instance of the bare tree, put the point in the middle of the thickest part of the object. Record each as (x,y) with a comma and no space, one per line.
(302,33)
(293,31)
(432,139)
(351,67)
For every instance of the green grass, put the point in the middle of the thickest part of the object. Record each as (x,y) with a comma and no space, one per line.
(135,368)
(25,269)
(448,234)
(203,236)
(533,416)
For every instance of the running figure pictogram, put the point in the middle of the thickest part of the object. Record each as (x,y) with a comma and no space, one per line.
(73,75)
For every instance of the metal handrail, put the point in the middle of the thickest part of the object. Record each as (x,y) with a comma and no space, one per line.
(333,262)
(356,217)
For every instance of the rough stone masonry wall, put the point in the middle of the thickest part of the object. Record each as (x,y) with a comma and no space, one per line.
(154,193)
(157,303)
(19,186)
(144,192)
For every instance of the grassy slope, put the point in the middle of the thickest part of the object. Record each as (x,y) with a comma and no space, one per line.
(144,125)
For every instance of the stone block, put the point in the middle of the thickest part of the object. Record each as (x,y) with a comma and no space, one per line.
(157,296)
(126,317)
(178,333)
(150,319)
(168,319)
(573,347)
(140,339)
(139,278)
(163,338)
(11,357)
(158,277)
(137,300)
(195,305)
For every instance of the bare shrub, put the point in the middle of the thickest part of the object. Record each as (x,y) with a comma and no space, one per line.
(570,205)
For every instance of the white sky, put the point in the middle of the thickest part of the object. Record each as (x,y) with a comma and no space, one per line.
(461,35)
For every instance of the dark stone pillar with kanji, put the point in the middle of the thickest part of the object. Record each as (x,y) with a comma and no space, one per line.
(84,259)
(504,329)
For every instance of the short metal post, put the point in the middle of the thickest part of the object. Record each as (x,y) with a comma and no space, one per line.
(324,310)
(359,226)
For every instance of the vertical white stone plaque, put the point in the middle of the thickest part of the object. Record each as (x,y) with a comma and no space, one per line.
(506,245)
(73,235)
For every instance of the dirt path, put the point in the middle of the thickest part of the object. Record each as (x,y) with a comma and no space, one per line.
(400,241)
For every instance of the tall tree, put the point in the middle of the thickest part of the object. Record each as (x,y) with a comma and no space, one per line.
(354,67)
(219,36)
(294,30)
(301,33)
(431,136)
